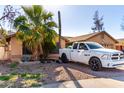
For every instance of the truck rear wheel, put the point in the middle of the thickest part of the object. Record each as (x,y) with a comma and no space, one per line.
(64,58)
(95,64)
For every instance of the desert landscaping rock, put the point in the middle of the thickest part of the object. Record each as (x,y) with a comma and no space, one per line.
(54,72)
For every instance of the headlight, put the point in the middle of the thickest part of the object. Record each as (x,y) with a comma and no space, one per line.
(105,56)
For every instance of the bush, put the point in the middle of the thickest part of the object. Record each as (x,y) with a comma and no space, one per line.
(14,65)
(4,78)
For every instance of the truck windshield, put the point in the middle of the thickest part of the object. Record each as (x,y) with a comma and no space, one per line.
(94,45)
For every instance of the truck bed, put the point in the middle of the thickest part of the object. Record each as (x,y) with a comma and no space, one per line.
(66,51)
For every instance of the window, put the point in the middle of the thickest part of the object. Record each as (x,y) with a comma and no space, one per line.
(94,45)
(75,45)
(83,46)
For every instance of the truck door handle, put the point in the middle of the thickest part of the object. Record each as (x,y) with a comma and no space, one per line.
(71,50)
(78,51)
(86,54)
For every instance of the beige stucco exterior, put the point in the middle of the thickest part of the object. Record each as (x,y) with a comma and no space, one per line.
(104,40)
(3,53)
(13,51)
(15,48)
(63,42)
(120,45)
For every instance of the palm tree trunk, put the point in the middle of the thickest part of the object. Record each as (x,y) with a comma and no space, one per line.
(37,53)
(34,53)
(40,53)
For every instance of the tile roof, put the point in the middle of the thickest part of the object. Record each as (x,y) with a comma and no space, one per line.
(121,40)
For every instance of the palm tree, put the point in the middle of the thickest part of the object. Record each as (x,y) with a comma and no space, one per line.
(36,30)
(3,35)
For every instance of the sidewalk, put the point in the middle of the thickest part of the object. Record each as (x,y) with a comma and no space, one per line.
(117,82)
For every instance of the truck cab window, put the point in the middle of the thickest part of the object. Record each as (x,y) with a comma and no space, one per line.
(83,46)
(75,45)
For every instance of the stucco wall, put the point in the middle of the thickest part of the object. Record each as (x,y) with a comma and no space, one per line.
(105,40)
(3,54)
(63,43)
(15,48)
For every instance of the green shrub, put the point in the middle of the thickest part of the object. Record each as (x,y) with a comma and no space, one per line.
(13,65)
(4,78)
(14,73)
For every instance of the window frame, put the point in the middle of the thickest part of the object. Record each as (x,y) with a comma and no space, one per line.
(86,48)
(76,46)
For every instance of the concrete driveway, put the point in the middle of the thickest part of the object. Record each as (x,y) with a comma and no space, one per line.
(106,78)
(89,83)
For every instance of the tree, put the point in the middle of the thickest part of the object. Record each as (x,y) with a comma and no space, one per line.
(8,16)
(3,35)
(122,24)
(36,30)
(98,22)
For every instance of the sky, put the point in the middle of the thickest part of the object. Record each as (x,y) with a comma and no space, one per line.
(78,19)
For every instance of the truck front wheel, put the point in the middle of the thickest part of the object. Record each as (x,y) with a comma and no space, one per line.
(64,58)
(95,64)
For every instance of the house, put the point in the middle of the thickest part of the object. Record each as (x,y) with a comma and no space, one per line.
(64,41)
(120,45)
(102,38)
(15,49)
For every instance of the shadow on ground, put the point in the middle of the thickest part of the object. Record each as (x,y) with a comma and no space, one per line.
(77,71)
(56,72)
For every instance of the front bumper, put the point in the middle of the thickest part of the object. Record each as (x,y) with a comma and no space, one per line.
(112,63)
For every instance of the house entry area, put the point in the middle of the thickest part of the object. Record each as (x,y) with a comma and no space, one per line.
(26,53)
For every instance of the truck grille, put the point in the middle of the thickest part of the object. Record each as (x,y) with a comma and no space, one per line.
(117,56)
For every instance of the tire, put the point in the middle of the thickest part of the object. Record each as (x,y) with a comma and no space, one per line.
(64,58)
(95,64)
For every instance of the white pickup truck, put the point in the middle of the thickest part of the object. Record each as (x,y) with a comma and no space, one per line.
(93,54)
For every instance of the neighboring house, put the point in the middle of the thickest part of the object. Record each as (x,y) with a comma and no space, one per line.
(120,45)
(102,38)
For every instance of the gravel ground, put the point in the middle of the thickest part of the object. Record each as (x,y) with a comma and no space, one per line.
(61,72)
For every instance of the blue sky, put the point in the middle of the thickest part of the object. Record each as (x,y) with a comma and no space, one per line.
(78,19)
